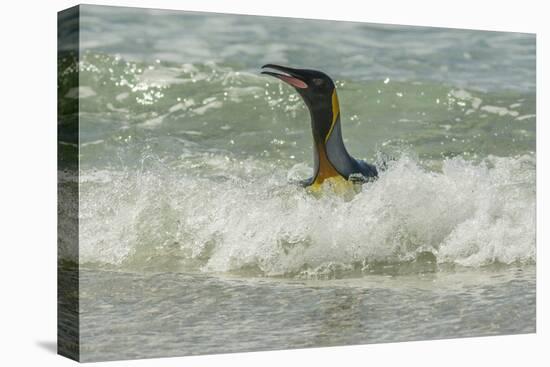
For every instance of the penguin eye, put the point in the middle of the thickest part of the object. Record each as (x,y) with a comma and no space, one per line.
(318,82)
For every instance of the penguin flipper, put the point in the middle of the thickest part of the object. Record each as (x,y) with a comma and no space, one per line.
(369,171)
(306,182)
(303,183)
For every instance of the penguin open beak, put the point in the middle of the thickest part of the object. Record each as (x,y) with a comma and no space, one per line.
(288,75)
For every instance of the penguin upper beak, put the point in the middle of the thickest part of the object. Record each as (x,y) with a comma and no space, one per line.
(290,76)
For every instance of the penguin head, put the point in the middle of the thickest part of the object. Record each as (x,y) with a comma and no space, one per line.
(318,92)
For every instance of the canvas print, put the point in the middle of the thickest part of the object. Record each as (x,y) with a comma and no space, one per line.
(233,183)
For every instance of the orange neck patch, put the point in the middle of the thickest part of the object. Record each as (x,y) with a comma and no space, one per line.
(326,169)
(335,113)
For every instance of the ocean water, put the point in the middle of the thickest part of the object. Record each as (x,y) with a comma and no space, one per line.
(193,238)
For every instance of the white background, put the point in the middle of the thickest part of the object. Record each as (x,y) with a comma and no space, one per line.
(28,181)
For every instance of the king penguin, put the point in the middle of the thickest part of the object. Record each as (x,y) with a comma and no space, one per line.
(332,162)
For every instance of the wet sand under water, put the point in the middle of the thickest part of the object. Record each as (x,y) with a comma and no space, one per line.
(130,315)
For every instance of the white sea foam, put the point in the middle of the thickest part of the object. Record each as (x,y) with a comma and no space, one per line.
(248,217)
(501,111)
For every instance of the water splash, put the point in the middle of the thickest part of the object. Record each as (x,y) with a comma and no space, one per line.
(248,219)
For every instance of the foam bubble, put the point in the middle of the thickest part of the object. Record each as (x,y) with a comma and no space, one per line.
(247,218)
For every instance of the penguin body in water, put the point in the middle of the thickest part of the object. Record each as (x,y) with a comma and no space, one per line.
(332,161)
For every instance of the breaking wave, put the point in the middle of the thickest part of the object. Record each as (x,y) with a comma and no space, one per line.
(249,219)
